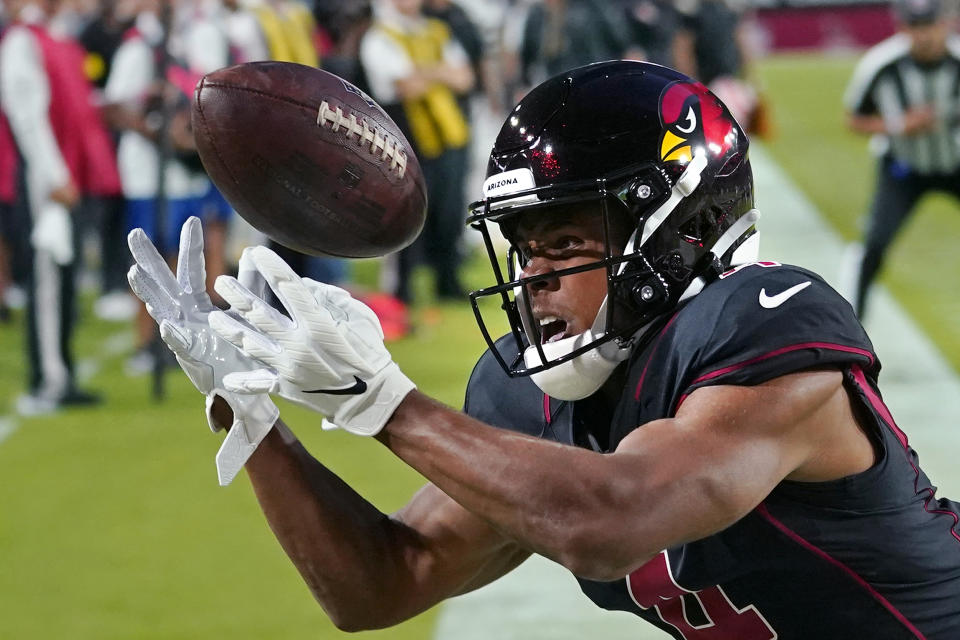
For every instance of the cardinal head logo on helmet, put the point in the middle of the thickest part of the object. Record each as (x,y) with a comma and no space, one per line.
(694,122)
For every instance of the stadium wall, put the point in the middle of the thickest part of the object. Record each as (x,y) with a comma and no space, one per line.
(797,25)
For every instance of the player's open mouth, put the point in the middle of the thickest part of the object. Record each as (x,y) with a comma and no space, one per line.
(552,329)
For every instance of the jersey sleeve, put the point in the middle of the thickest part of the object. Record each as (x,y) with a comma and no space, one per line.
(515,404)
(765,322)
(858,96)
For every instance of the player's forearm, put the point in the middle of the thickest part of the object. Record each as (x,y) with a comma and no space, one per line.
(868,125)
(347,551)
(550,498)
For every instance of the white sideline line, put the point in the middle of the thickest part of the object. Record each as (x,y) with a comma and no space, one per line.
(8,425)
(542,600)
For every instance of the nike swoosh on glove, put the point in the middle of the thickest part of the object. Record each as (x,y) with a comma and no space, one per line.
(328,355)
(181,306)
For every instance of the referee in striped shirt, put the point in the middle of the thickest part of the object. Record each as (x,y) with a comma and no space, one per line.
(906,93)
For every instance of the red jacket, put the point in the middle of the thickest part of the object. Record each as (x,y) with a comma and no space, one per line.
(83,139)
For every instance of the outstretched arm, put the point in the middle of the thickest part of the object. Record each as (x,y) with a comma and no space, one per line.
(670,481)
(367,569)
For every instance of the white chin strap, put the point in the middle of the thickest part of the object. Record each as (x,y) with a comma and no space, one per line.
(582,376)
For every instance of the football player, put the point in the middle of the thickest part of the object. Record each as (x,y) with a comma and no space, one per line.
(698,437)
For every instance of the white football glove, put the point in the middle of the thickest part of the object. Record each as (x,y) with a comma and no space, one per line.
(328,355)
(181,305)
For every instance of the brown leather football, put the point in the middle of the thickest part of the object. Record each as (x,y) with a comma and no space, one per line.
(308,159)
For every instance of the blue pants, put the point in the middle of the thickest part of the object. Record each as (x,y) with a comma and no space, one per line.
(141,212)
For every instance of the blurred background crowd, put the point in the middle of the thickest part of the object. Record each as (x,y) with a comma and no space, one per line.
(95,134)
(95,137)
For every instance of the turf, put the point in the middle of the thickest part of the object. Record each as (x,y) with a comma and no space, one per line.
(111,521)
(112,524)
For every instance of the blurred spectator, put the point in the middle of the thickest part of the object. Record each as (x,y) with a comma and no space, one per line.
(9,177)
(465,32)
(245,37)
(140,101)
(562,34)
(653,27)
(101,37)
(198,45)
(898,95)
(344,25)
(289,30)
(510,42)
(712,42)
(67,153)
(416,70)
(713,46)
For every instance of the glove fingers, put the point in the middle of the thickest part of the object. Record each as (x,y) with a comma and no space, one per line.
(248,276)
(285,283)
(178,340)
(150,260)
(191,270)
(254,310)
(252,382)
(228,327)
(343,307)
(248,340)
(160,304)
(327,294)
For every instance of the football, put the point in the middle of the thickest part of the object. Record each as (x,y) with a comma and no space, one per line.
(309,160)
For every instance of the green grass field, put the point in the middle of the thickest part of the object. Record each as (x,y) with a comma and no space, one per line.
(111,521)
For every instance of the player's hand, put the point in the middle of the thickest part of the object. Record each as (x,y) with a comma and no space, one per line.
(919,120)
(180,305)
(328,355)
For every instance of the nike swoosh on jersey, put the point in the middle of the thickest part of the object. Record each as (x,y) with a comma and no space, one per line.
(356,389)
(772,302)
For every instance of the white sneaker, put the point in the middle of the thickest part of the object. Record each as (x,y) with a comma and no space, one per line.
(118,306)
(30,404)
(15,297)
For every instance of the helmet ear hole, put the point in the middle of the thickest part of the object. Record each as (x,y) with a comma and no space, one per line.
(693,230)
(702,225)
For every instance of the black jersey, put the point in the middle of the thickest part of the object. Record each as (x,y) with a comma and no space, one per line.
(873,555)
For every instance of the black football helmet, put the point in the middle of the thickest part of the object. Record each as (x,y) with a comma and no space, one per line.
(639,140)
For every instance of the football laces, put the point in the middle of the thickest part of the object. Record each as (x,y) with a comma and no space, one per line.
(390,149)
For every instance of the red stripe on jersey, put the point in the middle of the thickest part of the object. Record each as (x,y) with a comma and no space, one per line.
(779,352)
(773,354)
